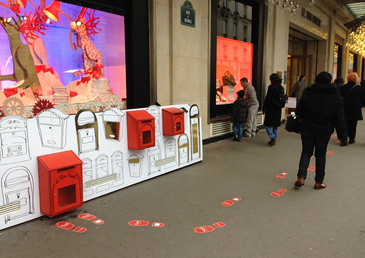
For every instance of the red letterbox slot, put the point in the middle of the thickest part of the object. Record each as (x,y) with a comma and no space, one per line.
(60,183)
(62,169)
(66,196)
(141,130)
(173,121)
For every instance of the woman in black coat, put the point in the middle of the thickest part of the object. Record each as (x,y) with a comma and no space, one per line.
(272,108)
(353,100)
(320,110)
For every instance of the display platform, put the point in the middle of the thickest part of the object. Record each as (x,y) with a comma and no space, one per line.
(100,141)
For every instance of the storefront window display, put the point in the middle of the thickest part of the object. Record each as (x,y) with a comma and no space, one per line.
(234,61)
(352,62)
(234,50)
(57,53)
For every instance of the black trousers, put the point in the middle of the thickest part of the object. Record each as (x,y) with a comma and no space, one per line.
(313,142)
(351,129)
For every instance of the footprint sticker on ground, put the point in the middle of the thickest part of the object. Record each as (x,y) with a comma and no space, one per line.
(279,193)
(207,229)
(144,223)
(229,203)
(330,152)
(312,168)
(282,175)
(68,225)
(87,216)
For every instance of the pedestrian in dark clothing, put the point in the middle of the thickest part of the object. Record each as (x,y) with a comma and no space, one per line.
(339,82)
(320,110)
(239,115)
(298,88)
(353,100)
(363,84)
(272,108)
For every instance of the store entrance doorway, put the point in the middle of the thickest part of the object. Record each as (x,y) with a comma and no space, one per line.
(298,65)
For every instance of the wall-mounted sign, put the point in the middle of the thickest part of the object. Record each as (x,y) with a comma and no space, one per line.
(187,14)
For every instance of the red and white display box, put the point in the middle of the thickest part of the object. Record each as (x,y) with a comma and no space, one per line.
(141,130)
(60,183)
(173,121)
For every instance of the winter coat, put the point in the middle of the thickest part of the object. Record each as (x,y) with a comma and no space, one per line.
(250,95)
(239,111)
(353,102)
(272,107)
(321,109)
(298,89)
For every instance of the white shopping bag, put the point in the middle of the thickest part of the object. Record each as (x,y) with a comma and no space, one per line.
(291,103)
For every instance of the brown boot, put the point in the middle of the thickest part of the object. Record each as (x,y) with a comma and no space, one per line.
(319,186)
(299,182)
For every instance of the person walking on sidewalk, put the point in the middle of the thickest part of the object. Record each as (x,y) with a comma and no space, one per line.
(320,110)
(298,88)
(239,115)
(272,108)
(253,106)
(353,100)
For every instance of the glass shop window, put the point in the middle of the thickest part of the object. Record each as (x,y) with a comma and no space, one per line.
(234,50)
(54,53)
(352,62)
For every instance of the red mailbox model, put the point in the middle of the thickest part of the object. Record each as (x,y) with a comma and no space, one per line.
(141,130)
(173,121)
(60,182)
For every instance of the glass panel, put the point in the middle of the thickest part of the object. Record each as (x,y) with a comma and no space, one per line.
(178,126)
(234,61)
(146,137)
(61,57)
(66,196)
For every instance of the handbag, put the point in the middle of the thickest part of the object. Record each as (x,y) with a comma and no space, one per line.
(228,79)
(293,124)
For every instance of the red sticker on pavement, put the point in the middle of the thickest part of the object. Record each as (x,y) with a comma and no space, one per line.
(219,224)
(227,203)
(138,223)
(64,225)
(282,190)
(312,168)
(86,216)
(330,152)
(157,224)
(280,176)
(98,221)
(204,229)
(277,194)
(236,199)
(79,230)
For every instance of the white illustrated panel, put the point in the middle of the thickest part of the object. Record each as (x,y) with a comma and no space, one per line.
(108,164)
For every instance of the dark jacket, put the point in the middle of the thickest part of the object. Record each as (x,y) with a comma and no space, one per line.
(271,106)
(353,102)
(239,110)
(321,109)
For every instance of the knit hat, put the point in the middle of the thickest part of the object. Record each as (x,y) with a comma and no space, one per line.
(241,93)
(275,78)
(323,78)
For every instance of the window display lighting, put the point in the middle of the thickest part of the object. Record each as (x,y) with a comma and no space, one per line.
(52,11)
(287,5)
(356,41)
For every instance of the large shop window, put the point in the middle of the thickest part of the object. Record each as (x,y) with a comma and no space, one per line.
(352,62)
(56,53)
(337,60)
(237,40)
(234,50)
